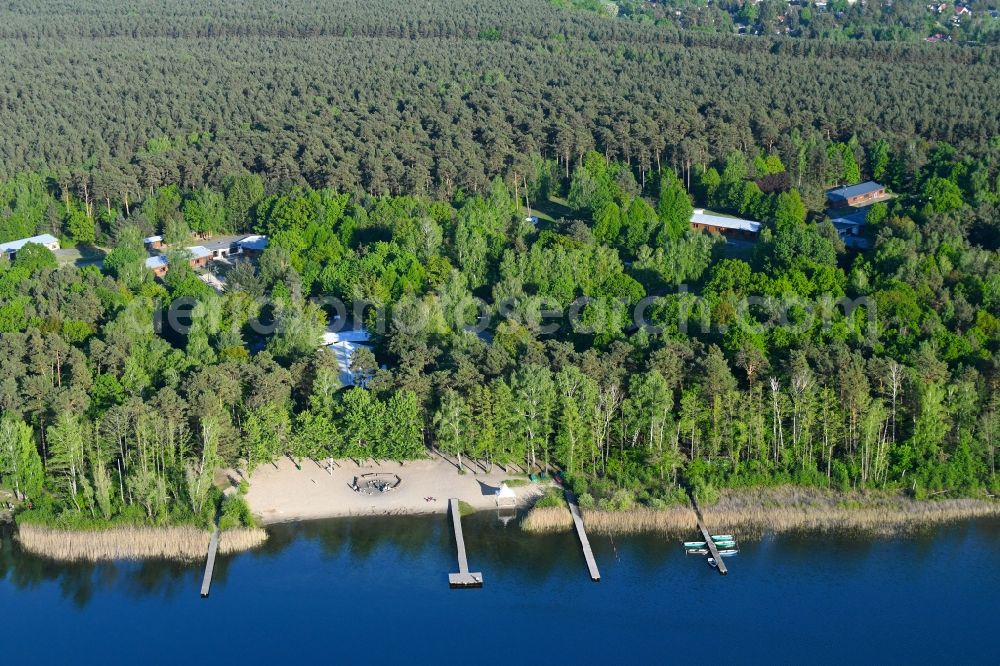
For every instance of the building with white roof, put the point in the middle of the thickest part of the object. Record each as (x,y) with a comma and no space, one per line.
(253,245)
(46,240)
(723,224)
(343,344)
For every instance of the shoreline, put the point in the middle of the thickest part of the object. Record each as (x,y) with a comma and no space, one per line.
(782,509)
(748,513)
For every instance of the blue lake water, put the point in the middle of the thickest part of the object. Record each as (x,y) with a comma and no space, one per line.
(374,591)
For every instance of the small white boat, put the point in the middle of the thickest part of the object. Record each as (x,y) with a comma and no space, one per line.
(712,563)
(728,552)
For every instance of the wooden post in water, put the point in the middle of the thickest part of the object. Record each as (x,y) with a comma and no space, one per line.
(213,549)
(588,554)
(463,578)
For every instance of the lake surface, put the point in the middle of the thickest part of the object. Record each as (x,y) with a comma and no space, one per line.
(374,591)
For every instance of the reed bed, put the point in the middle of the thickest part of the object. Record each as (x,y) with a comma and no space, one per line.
(673,520)
(185,543)
(241,539)
(788,508)
(543,519)
(782,509)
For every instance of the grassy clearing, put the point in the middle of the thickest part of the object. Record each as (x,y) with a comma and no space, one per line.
(550,210)
(133,543)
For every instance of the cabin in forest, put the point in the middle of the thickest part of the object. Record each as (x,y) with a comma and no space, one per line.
(200,256)
(853,195)
(10,249)
(153,243)
(158,265)
(732,227)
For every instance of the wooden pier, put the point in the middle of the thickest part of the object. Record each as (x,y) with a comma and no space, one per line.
(463,578)
(588,554)
(213,549)
(709,543)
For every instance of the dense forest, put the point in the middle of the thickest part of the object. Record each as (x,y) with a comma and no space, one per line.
(401,177)
(395,98)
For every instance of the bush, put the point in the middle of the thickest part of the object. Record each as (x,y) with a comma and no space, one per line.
(553,497)
(516,483)
(621,500)
(586,501)
(706,493)
(244,487)
(236,513)
(578,484)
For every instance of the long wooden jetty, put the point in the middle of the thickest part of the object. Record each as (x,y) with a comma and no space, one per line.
(463,578)
(707,536)
(213,549)
(588,554)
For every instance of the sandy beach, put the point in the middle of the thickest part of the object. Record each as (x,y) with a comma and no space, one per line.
(281,493)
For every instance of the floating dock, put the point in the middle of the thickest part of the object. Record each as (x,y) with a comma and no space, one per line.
(588,554)
(213,549)
(709,542)
(463,578)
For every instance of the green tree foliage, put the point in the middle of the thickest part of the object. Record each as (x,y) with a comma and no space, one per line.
(674,208)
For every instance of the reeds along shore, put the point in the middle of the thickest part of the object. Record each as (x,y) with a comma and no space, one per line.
(786,509)
(133,543)
(790,508)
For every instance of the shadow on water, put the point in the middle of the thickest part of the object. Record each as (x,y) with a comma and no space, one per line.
(501,550)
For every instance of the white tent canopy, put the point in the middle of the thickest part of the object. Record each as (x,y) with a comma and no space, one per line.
(505,496)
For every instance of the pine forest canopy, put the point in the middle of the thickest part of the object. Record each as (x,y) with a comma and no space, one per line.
(390,97)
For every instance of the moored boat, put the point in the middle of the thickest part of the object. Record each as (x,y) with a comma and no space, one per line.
(712,563)
(694,544)
(728,552)
(722,537)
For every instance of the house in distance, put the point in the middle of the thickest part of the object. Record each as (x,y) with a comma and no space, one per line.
(732,227)
(853,195)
